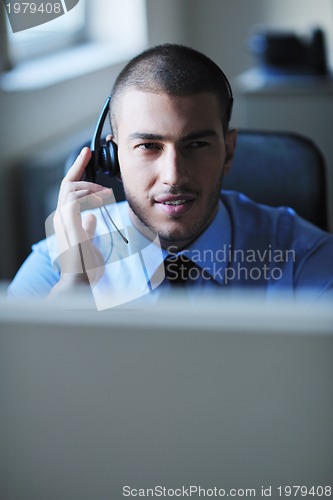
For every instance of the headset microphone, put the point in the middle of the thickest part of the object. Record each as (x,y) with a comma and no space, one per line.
(104,156)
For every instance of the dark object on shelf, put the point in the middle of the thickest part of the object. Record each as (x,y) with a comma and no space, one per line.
(286,53)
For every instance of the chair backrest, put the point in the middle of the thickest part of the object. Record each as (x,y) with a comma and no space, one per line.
(274,168)
(281,168)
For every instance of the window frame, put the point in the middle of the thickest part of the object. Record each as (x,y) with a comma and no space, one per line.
(40,41)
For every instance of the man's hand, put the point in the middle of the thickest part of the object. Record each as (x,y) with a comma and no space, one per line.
(73,233)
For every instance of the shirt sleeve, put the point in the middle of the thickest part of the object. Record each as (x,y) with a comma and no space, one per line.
(37,276)
(314,273)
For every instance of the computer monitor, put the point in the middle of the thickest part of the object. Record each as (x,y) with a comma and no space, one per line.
(227,398)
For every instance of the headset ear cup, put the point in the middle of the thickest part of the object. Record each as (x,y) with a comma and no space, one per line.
(112,151)
(108,159)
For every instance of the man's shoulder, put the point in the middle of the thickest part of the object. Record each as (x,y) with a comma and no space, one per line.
(244,210)
(282,224)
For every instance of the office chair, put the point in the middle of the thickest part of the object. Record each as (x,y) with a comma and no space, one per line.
(274,168)
(281,168)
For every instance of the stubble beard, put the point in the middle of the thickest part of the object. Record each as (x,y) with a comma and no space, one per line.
(181,234)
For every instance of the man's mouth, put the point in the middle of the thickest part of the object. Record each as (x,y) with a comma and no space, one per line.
(175,205)
(177,199)
(176,202)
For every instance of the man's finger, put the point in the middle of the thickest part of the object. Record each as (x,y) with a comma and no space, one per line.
(89,223)
(76,171)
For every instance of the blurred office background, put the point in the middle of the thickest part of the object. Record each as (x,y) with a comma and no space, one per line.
(55,79)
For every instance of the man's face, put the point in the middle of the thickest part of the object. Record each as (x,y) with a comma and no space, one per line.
(172,155)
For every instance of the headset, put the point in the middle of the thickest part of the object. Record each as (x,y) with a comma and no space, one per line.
(105,155)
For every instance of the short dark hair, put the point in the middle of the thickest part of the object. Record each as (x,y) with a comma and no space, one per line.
(176,70)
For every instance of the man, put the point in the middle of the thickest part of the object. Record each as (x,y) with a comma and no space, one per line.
(170,112)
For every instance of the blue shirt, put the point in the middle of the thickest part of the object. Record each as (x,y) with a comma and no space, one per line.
(247,246)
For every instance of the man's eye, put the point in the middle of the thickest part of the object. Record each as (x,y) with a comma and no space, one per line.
(197,144)
(147,146)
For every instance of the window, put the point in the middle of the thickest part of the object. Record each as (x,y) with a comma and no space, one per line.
(121,24)
(55,35)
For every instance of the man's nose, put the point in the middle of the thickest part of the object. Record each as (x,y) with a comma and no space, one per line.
(174,168)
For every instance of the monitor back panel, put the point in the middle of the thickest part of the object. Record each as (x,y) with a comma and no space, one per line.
(88,411)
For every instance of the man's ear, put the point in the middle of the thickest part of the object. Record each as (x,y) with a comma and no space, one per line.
(109,137)
(230,147)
